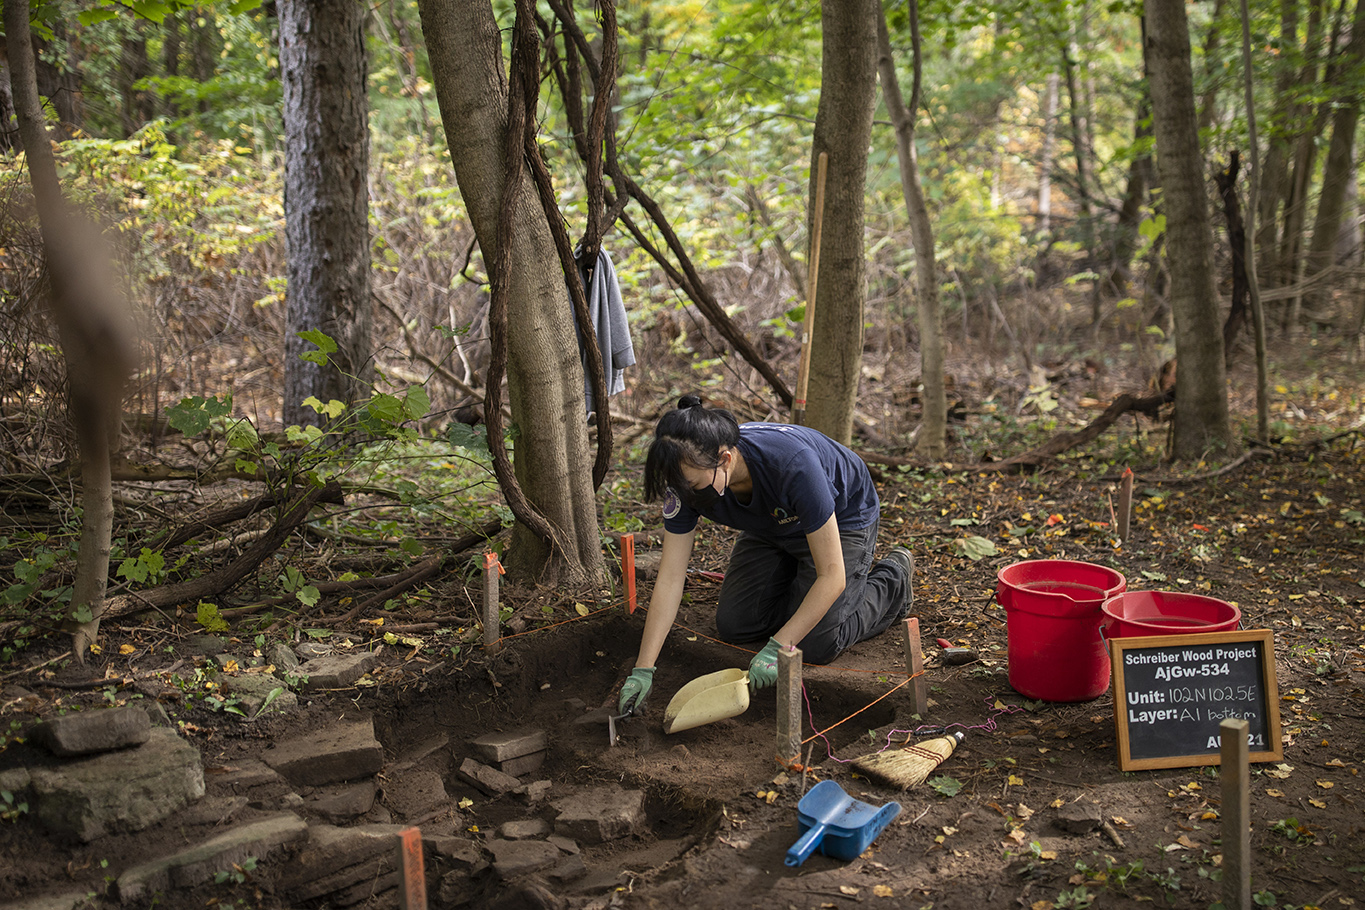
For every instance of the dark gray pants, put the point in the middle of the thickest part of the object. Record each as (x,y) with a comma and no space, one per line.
(768,577)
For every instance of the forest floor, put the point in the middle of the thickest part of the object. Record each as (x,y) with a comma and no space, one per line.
(1280,534)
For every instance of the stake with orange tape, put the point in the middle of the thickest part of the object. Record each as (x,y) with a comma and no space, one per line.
(492,631)
(412,867)
(628,569)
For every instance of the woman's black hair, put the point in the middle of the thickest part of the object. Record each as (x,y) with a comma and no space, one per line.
(689,434)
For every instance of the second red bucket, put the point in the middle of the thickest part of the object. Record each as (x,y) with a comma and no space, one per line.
(1052,610)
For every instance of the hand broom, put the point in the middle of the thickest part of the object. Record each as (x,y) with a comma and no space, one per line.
(905,768)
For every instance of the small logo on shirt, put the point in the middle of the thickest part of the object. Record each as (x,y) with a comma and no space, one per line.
(781,517)
(672,504)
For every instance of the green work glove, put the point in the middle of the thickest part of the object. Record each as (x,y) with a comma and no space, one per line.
(635,689)
(763,668)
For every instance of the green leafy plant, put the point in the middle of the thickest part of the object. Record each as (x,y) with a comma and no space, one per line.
(11,807)
(945,785)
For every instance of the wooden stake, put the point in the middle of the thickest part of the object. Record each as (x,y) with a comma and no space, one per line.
(411,864)
(1125,505)
(628,569)
(492,622)
(914,667)
(788,706)
(1235,773)
(812,280)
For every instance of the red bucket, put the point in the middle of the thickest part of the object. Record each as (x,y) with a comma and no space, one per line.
(1137,613)
(1052,608)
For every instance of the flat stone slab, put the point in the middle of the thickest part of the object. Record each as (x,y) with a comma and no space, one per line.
(524,829)
(126,790)
(335,860)
(336,670)
(93,731)
(412,793)
(490,780)
(219,854)
(512,858)
(497,747)
(345,751)
(600,814)
(342,803)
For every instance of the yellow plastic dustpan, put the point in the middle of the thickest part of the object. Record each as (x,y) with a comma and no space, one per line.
(708,698)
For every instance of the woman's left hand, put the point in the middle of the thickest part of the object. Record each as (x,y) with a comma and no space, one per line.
(763,668)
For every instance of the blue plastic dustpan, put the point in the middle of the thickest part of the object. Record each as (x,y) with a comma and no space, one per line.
(836,824)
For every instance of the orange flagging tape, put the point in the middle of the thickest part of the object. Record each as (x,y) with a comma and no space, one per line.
(628,569)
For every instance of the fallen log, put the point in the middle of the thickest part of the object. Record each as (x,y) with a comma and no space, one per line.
(225,577)
(1062,442)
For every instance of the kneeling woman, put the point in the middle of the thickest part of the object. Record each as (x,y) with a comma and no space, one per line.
(801,572)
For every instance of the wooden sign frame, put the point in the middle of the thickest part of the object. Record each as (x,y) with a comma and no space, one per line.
(1190,684)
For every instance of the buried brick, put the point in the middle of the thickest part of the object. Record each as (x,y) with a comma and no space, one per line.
(499,747)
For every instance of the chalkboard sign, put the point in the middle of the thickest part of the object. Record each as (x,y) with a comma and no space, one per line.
(1172,691)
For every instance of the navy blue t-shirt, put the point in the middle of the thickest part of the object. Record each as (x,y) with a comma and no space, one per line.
(800,476)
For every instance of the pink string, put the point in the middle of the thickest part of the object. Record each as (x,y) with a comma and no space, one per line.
(923,729)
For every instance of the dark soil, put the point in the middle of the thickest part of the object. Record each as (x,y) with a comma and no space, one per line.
(1280,535)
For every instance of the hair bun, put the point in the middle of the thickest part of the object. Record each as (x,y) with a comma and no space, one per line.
(689,401)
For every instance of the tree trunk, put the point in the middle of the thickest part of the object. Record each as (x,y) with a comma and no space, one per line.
(1338,170)
(1045,161)
(843,129)
(326,169)
(95,328)
(932,439)
(545,379)
(1275,172)
(1201,407)
(1130,211)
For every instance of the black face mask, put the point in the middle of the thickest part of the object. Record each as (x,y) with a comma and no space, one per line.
(704,498)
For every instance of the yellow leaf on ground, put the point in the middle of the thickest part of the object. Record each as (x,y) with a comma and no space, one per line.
(581,610)
(883,891)
(1336,763)
(126,649)
(848,889)
(1325,784)
(1015,780)
(1317,803)
(1271,791)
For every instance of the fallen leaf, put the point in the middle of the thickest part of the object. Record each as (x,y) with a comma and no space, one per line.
(1017,835)
(1185,842)
(1041,905)
(883,891)
(1120,821)
(1271,791)
(1280,771)
(1325,784)
(848,889)
(1056,803)
(126,649)
(949,830)
(581,610)
(1016,781)
(1023,812)
(1192,785)
(1317,803)
(1336,763)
